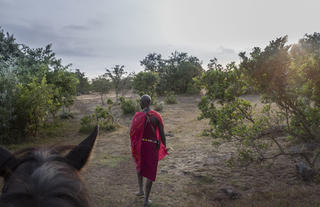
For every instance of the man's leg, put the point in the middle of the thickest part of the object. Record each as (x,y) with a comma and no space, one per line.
(147,202)
(140,183)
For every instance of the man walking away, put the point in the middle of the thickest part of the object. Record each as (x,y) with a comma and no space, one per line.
(148,145)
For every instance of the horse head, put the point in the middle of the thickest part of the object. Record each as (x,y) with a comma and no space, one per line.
(44,177)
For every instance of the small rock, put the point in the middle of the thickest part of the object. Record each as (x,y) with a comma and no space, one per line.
(172,167)
(186,172)
(232,195)
(305,171)
(164,171)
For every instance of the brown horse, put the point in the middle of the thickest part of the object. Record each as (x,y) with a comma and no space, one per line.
(45,178)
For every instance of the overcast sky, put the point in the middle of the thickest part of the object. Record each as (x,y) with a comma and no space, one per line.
(95,34)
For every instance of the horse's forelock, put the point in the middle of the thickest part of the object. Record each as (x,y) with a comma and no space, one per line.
(50,178)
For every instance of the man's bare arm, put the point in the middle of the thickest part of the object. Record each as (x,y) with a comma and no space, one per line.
(162,135)
(161,131)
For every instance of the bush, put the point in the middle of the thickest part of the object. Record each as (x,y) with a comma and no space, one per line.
(109,101)
(171,99)
(129,106)
(101,117)
(66,115)
(121,99)
(87,124)
(158,106)
(192,89)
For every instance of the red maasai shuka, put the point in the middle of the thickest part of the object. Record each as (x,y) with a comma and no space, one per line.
(146,165)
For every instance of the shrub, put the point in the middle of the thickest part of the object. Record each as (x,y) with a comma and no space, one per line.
(129,106)
(171,99)
(87,124)
(158,106)
(121,99)
(66,115)
(192,89)
(101,117)
(109,101)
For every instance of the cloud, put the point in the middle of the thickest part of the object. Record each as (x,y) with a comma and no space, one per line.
(95,34)
(224,55)
(34,34)
(75,52)
(73,27)
(66,41)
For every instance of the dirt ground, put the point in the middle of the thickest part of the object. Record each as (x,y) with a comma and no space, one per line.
(196,172)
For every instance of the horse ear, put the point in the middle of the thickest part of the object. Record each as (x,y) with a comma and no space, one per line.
(80,154)
(5,160)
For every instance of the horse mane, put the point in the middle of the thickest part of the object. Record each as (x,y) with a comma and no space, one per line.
(43,177)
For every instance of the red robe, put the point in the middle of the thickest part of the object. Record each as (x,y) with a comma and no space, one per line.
(146,165)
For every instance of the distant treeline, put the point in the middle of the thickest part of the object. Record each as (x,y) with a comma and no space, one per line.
(35,86)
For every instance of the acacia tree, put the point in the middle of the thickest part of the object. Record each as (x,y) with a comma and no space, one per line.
(116,74)
(102,86)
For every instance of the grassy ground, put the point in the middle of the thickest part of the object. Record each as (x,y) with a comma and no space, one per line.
(192,175)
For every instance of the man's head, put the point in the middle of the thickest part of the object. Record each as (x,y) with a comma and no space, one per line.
(145,101)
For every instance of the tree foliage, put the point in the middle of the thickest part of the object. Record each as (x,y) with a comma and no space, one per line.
(84,86)
(116,74)
(146,83)
(153,62)
(176,73)
(101,117)
(102,86)
(287,77)
(33,85)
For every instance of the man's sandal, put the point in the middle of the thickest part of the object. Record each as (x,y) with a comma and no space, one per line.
(147,204)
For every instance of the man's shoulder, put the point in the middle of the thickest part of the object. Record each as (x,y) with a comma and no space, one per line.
(152,112)
(138,116)
(139,113)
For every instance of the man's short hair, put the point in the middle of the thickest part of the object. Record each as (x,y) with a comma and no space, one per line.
(145,100)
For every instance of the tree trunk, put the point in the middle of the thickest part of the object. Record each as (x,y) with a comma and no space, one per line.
(102,102)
